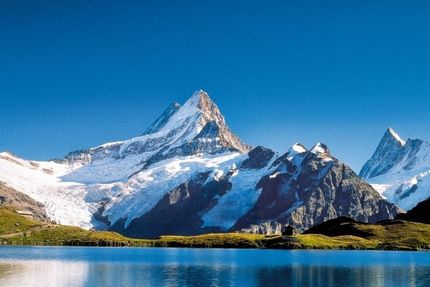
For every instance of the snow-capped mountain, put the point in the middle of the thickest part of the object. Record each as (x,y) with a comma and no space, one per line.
(307,187)
(189,174)
(399,170)
(195,128)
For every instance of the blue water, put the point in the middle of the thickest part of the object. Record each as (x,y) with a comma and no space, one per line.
(87,266)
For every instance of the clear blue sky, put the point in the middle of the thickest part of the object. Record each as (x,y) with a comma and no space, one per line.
(76,74)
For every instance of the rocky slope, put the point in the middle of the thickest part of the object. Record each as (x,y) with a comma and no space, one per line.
(189,174)
(399,169)
(24,204)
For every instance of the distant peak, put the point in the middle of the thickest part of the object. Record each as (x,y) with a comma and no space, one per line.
(391,134)
(299,148)
(386,156)
(320,148)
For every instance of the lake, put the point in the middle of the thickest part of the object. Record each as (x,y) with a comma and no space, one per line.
(98,266)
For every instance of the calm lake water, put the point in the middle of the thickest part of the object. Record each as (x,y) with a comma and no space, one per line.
(87,266)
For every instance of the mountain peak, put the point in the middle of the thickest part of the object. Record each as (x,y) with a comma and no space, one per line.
(391,135)
(197,127)
(198,100)
(200,103)
(198,96)
(385,156)
(321,150)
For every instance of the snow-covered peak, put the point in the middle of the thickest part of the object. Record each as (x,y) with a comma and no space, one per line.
(298,148)
(197,111)
(391,134)
(385,155)
(196,98)
(194,128)
(394,154)
(298,153)
(320,149)
(400,170)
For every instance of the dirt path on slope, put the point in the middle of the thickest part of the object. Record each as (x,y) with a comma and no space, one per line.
(27,232)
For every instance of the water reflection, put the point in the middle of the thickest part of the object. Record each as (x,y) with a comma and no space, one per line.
(200,267)
(43,273)
(338,276)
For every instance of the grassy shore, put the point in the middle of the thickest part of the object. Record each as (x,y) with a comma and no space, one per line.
(16,229)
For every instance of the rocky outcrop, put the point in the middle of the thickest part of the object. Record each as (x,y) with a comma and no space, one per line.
(22,202)
(179,211)
(258,158)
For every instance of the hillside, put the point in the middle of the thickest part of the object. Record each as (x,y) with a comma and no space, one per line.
(390,235)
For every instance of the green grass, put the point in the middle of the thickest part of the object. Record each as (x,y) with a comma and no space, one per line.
(399,234)
(75,236)
(403,235)
(12,222)
(18,229)
(318,241)
(214,240)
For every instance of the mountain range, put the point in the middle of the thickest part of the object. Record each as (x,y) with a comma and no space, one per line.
(188,173)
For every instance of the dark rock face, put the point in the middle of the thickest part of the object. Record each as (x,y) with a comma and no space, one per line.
(317,189)
(258,158)
(178,213)
(420,213)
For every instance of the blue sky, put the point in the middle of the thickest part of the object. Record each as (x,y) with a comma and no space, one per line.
(76,74)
